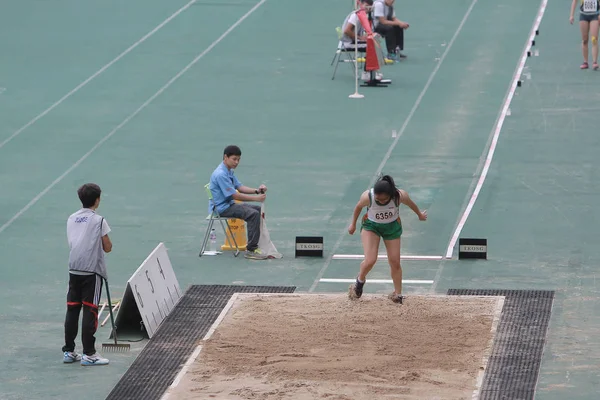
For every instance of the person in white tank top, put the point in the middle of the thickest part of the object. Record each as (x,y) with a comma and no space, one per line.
(382,221)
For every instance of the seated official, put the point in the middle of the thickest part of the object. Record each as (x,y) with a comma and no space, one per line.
(226,188)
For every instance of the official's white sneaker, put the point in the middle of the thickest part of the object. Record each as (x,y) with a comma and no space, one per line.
(94,359)
(71,356)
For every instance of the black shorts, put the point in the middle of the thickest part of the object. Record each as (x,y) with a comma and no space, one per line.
(588,17)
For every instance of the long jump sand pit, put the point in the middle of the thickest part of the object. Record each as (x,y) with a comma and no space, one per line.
(323,346)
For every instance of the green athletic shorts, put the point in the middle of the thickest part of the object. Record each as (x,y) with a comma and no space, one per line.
(389,231)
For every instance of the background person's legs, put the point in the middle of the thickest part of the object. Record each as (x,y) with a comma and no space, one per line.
(387,31)
(399,34)
(394,39)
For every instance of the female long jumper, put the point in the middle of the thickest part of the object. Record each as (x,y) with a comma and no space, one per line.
(589,13)
(382,221)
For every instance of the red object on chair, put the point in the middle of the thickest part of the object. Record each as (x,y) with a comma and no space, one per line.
(364,21)
(372,62)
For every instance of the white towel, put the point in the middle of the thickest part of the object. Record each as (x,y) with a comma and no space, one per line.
(264,243)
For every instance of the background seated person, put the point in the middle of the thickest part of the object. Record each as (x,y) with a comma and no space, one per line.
(353,30)
(390,27)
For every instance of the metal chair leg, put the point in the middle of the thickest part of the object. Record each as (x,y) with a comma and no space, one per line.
(211,222)
(237,249)
(206,236)
(335,68)
(336,55)
(352,60)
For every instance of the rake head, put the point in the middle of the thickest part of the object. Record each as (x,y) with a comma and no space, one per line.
(116,347)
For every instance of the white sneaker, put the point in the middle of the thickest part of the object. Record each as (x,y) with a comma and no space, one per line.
(366,76)
(70,357)
(94,359)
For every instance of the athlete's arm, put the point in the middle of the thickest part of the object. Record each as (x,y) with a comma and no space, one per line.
(362,203)
(573,5)
(405,199)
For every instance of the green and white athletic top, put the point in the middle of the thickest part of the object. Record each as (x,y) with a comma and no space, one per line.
(589,7)
(382,214)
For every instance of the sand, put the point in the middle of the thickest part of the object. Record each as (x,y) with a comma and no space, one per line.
(329,347)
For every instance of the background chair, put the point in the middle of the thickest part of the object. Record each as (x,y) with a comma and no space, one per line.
(214,216)
(345,52)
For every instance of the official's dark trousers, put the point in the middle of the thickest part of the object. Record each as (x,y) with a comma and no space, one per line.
(84,292)
(251,214)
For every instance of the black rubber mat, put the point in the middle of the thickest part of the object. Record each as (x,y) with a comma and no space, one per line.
(514,364)
(160,361)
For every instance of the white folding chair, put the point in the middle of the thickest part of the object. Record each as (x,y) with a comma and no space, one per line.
(347,50)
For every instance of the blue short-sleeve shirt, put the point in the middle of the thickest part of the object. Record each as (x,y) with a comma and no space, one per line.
(223,184)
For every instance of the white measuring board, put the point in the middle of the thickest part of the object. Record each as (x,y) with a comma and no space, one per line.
(154,290)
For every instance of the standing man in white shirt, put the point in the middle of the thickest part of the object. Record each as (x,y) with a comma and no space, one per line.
(390,27)
(87,234)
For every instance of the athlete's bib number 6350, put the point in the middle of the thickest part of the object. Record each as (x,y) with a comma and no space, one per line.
(590,5)
(384,215)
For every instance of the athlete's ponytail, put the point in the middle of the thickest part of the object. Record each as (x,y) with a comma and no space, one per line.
(386,185)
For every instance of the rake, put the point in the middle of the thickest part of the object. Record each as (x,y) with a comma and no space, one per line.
(113,347)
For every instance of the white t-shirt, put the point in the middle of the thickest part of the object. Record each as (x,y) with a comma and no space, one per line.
(352,18)
(84,235)
(380,9)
